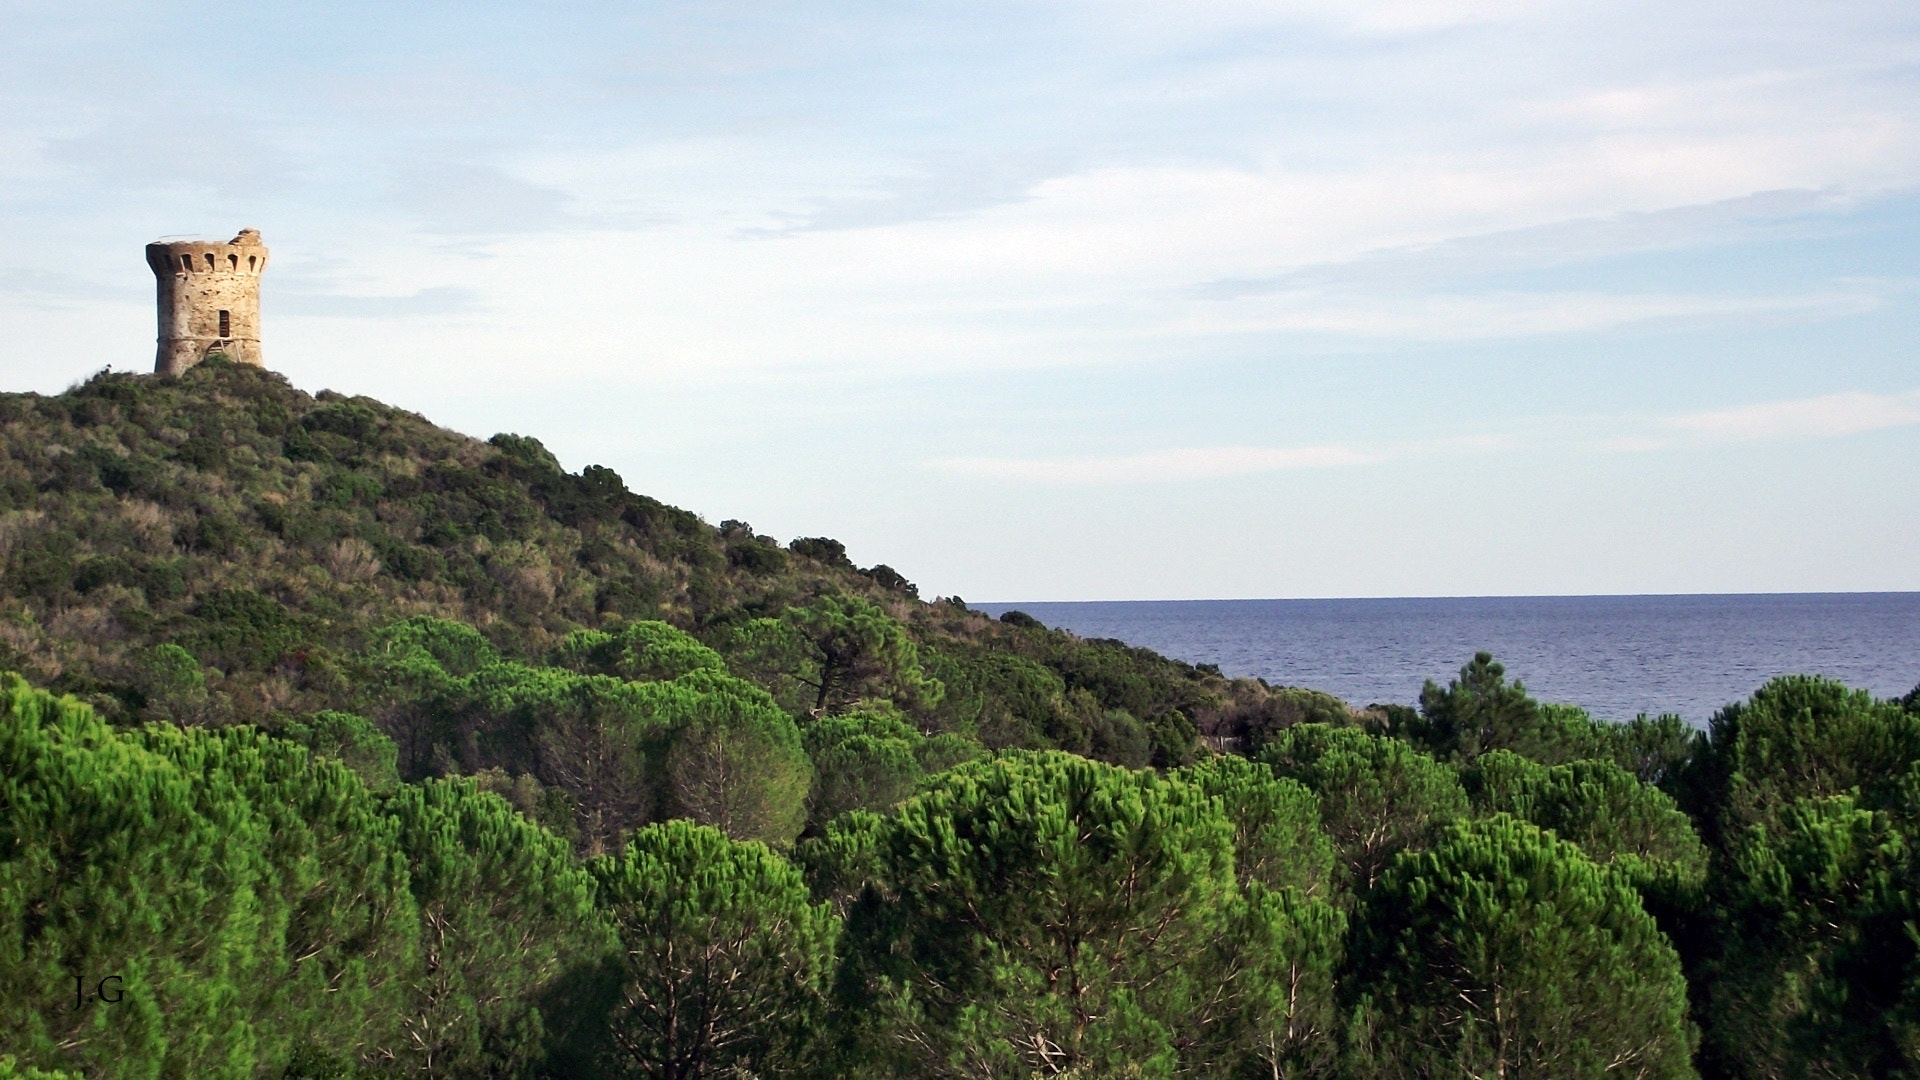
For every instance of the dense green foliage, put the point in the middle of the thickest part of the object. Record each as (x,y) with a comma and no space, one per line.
(724,959)
(1808,793)
(1048,914)
(1378,796)
(349,746)
(1609,814)
(262,906)
(1505,952)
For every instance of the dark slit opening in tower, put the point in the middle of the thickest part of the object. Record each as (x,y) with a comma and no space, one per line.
(226,325)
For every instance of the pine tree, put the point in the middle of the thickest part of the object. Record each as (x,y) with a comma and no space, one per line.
(246,896)
(1613,817)
(505,916)
(1277,838)
(735,761)
(1283,946)
(865,759)
(1814,970)
(1503,951)
(1798,737)
(1046,913)
(725,960)
(1378,796)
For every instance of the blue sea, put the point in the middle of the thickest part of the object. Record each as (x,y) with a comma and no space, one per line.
(1615,655)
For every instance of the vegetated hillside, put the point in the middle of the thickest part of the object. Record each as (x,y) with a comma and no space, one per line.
(141,509)
(221,547)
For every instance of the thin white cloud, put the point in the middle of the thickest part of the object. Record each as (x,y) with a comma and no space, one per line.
(1511,314)
(1158,466)
(1769,215)
(1359,17)
(1634,444)
(1827,416)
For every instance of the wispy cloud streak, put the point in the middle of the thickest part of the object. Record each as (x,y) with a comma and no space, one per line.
(1826,416)
(1159,466)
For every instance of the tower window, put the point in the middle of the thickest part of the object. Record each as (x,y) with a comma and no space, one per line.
(209,260)
(226,325)
(233,262)
(251,259)
(186,263)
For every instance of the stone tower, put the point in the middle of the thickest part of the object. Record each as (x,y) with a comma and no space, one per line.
(209,297)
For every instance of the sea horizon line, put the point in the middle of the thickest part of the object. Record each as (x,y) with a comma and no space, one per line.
(1461,596)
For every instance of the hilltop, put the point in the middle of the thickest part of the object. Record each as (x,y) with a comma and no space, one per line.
(221,548)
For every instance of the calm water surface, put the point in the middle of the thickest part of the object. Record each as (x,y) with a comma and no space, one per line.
(1616,655)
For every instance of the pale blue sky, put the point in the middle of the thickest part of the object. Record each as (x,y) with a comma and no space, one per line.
(1060,301)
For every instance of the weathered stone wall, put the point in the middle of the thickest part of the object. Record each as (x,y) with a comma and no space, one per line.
(197,282)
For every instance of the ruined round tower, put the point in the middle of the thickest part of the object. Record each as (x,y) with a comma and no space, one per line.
(209,295)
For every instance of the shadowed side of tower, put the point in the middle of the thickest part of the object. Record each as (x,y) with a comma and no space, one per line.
(209,300)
